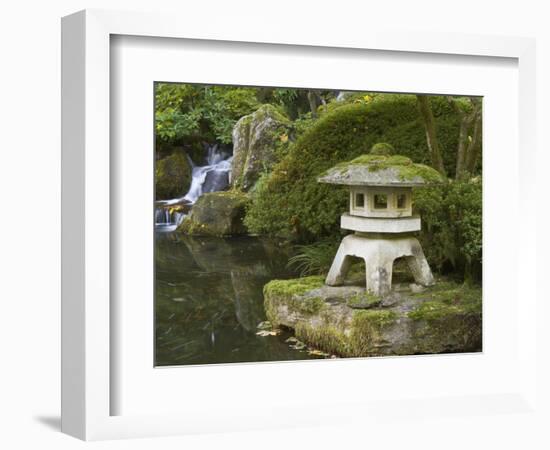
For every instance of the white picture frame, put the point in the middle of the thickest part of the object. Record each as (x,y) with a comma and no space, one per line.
(87,386)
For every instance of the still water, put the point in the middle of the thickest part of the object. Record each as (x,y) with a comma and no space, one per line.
(209,301)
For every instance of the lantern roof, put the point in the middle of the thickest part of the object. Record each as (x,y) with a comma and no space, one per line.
(381,170)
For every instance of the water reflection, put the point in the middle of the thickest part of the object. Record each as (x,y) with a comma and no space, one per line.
(209,300)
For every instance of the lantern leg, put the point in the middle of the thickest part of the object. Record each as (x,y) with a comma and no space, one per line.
(379,275)
(340,266)
(418,265)
(379,255)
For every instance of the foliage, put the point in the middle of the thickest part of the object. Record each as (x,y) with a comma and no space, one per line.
(452,226)
(296,103)
(290,202)
(187,111)
(314,259)
(467,152)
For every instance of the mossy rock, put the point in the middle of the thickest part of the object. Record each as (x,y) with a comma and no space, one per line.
(374,169)
(217,214)
(445,318)
(382,148)
(363,301)
(172,176)
(257,138)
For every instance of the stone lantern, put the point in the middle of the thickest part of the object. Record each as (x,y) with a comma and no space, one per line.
(380,214)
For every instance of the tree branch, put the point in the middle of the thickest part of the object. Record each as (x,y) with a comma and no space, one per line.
(474,147)
(431,135)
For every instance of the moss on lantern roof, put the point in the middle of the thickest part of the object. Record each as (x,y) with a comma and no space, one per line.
(380,170)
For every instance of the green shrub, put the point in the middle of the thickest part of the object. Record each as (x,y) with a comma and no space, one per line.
(314,259)
(290,202)
(185,113)
(452,226)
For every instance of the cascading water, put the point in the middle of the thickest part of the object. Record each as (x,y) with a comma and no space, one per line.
(212,177)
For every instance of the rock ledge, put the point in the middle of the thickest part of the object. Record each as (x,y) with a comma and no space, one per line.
(345,321)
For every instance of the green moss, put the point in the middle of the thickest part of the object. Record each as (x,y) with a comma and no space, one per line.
(217,214)
(451,314)
(172,176)
(383,161)
(448,299)
(363,339)
(311,305)
(367,331)
(365,300)
(377,318)
(272,111)
(413,171)
(406,169)
(327,338)
(233,194)
(296,286)
(263,138)
(287,293)
(382,148)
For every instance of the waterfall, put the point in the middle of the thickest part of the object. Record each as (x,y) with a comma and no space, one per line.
(212,177)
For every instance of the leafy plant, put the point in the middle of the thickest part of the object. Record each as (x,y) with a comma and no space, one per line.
(452,226)
(314,259)
(187,112)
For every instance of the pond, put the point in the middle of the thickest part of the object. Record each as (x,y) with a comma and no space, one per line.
(209,301)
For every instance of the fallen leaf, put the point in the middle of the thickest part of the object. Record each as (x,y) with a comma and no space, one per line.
(264,333)
(266,325)
(317,353)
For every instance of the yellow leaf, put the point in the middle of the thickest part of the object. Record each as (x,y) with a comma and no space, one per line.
(264,333)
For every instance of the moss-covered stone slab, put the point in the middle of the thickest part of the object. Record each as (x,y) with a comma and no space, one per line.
(381,170)
(346,321)
(217,214)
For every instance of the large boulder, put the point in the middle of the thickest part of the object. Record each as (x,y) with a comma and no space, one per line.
(172,176)
(256,138)
(217,214)
(346,321)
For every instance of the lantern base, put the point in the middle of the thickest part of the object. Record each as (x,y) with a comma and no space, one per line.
(379,254)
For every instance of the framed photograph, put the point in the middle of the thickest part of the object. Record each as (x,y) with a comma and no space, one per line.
(268,229)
